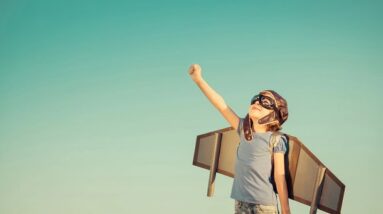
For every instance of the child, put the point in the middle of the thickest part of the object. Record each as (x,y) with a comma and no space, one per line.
(252,189)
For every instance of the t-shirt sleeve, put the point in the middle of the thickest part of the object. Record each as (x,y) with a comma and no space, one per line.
(240,126)
(281,146)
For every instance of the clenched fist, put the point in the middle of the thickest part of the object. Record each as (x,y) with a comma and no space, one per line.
(195,72)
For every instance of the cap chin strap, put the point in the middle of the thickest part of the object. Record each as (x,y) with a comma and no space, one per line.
(272,117)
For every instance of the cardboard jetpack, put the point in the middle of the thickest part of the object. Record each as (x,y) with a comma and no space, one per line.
(308,180)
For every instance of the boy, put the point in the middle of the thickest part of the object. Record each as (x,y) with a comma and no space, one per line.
(253,181)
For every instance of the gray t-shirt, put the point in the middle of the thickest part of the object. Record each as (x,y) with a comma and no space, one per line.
(252,180)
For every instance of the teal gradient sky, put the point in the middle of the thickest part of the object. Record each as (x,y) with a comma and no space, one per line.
(98,114)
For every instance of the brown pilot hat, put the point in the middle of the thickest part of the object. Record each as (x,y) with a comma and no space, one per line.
(279,115)
(281,111)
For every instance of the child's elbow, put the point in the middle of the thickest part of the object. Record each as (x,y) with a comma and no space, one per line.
(279,178)
(278,171)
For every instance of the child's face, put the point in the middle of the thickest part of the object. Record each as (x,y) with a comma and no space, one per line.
(256,111)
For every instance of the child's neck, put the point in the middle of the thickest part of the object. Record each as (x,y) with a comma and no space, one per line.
(258,128)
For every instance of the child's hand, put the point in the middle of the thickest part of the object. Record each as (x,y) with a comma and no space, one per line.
(195,72)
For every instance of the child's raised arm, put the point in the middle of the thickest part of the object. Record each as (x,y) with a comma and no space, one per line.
(218,102)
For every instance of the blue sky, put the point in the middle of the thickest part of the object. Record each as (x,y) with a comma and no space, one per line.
(99,115)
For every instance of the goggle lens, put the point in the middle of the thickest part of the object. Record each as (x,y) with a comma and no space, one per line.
(264,101)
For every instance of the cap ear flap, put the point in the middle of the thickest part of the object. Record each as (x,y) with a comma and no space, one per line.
(247,125)
(284,114)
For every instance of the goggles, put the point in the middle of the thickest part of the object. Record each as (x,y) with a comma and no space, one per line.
(268,103)
(264,101)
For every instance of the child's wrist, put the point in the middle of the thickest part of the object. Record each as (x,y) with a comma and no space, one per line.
(286,210)
(198,80)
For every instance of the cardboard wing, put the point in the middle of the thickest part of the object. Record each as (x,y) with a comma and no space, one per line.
(308,180)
